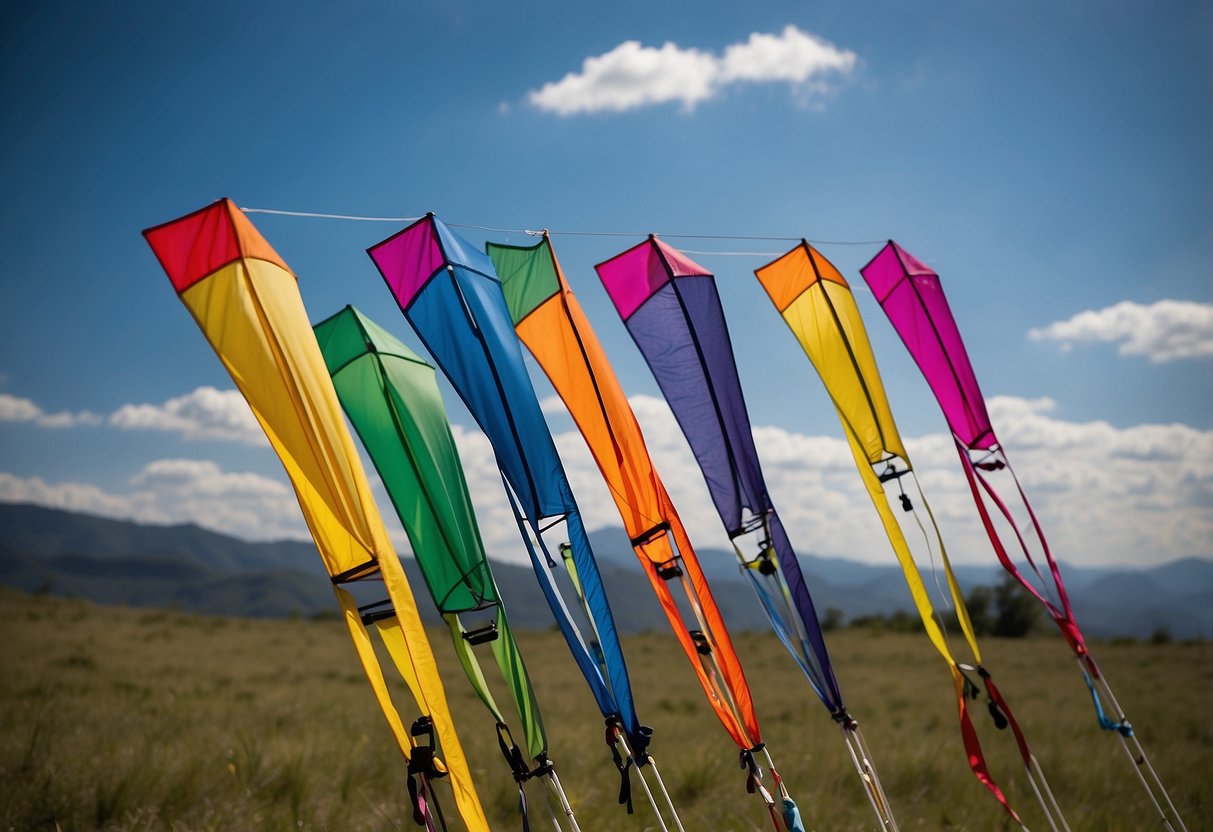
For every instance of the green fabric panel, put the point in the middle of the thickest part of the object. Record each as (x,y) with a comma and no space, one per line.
(571,568)
(413,451)
(392,399)
(528,275)
(513,668)
(471,666)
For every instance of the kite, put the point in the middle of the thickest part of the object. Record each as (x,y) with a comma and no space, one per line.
(550,322)
(912,297)
(391,398)
(247,303)
(816,303)
(672,310)
(450,295)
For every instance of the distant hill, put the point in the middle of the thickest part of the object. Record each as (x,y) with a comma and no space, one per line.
(190,568)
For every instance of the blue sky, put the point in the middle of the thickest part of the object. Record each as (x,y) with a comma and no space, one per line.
(1051,161)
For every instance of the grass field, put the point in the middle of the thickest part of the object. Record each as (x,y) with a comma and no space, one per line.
(122,719)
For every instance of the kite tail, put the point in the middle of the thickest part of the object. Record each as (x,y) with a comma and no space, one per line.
(977,760)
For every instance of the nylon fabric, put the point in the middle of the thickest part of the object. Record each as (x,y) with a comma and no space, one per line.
(911,295)
(251,313)
(818,304)
(370,665)
(392,400)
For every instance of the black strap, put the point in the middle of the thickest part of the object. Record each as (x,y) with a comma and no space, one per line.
(996,712)
(640,745)
(423,766)
(613,729)
(753,774)
(844,719)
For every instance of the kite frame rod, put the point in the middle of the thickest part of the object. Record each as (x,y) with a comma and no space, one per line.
(624,750)
(1141,760)
(861,759)
(1088,667)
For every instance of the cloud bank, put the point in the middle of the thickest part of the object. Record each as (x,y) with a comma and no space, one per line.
(205,413)
(633,75)
(1168,330)
(15,409)
(1105,495)
(197,491)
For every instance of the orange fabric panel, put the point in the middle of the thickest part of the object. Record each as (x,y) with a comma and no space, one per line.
(626,467)
(787,277)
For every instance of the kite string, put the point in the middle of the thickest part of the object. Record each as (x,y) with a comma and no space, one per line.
(538,232)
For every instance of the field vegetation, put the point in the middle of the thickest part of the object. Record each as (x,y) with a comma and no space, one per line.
(123,719)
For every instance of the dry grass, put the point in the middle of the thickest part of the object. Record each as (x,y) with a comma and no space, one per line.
(122,719)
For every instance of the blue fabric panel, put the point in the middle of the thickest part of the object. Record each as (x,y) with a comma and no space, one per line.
(459,252)
(604,622)
(462,318)
(825,682)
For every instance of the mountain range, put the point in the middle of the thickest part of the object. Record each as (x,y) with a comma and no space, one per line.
(190,568)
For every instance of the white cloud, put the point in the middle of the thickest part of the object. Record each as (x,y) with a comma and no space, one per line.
(1104,495)
(633,75)
(15,409)
(204,413)
(1167,330)
(246,505)
(792,56)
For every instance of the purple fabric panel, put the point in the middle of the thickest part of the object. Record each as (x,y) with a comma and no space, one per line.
(830,694)
(703,310)
(409,259)
(918,310)
(630,277)
(681,332)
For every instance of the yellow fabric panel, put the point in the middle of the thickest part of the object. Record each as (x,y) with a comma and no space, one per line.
(370,663)
(253,316)
(922,601)
(846,365)
(420,671)
(958,598)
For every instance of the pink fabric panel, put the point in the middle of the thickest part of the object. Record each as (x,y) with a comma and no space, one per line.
(913,298)
(631,277)
(680,264)
(408,260)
